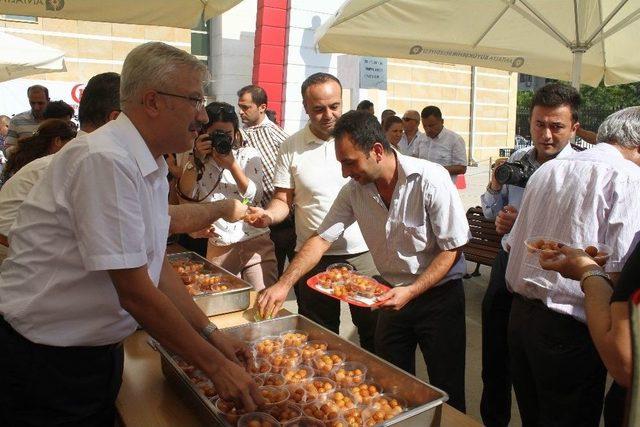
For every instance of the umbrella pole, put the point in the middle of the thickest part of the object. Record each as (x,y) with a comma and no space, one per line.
(576,68)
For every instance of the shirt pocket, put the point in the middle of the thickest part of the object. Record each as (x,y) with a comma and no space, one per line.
(412,239)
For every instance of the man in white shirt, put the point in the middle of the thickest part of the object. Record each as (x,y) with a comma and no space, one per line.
(553,119)
(412,140)
(266,137)
(443,146)
(413,220)
(87,261)
(309,178)
(588,198)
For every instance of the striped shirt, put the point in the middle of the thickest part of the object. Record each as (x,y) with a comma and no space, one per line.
(21,125)
(425,217)
(266,138)
(589,197)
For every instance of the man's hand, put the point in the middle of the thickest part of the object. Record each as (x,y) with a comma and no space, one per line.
(270,300)
(202,146)
(205,233)
(258,217)
(233,349)
(234,383)
(396,298)
(505,219)
(234,210)
(569,262)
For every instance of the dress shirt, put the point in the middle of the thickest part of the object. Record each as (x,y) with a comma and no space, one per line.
(20,126)
(266,137)
(446,149)
(509,194)
(308,165)
(589,197)
(411,148)
(249,161)
(425,217)
(101,205)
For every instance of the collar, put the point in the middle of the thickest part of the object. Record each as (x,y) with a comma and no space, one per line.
(136,146)
(565,152)
(408,166)
(442,132)
(310,138)
(265,122)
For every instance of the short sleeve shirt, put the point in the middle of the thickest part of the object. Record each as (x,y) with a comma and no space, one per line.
(446,149)
(101,205)
(425,217)
(20,126)
(308,165)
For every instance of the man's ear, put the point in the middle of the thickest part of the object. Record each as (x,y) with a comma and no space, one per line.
(113,115)
(150,103)
(378,150)
(262,108)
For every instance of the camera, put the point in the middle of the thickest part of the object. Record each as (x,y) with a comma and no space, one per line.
(515,173)
(221,142)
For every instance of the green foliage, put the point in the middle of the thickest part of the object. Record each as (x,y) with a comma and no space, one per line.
(610,97)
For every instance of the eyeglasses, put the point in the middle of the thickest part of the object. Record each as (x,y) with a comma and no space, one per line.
(225,108)
(408,119)
(199,102)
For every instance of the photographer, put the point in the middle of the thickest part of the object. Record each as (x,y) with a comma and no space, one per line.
(553,118)
(223,168)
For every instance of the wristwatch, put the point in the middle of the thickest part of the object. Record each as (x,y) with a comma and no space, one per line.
(189,166)
(595,272)
(208,330)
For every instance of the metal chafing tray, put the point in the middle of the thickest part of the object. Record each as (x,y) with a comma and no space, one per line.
(214,303)
(424,401)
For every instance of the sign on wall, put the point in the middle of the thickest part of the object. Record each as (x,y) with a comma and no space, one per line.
(373,73)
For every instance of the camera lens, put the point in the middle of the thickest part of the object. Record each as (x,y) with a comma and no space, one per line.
(221,142)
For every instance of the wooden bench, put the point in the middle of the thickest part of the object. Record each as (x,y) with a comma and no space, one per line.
(484,244)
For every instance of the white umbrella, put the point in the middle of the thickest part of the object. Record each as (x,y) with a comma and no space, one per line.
(169,13)
(583,41)
(22,57)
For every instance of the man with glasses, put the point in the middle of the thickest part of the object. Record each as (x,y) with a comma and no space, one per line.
(87,260)
(266,137)
(412,139)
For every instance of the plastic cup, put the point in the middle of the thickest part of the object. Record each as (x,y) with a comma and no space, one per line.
(286,412)
(297,374)
(294,338)
(273,380)
(349,374)
(325,363)
(304,422)
(229,411)
(265,346)
(257,419)
(285,358)
(363,393)
(313,348)
(274,395)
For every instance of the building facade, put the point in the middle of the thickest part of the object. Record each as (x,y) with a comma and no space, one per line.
(271,43)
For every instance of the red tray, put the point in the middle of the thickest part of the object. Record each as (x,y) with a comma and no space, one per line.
(312,282)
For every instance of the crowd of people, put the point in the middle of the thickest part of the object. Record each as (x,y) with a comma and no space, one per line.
(85,216)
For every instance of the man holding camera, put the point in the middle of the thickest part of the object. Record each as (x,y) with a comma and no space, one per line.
(553,120)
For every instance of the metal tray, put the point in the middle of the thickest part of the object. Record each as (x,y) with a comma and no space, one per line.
(212,304)
(423,399)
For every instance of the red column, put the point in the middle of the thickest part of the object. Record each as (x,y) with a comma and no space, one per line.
(270,50)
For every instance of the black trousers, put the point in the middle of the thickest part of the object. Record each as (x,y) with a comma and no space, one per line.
(325,310)
(436,322)
(283,236)
(557,373)
(495,405)
(42,385)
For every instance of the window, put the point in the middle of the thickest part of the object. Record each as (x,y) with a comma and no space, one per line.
(20,18)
